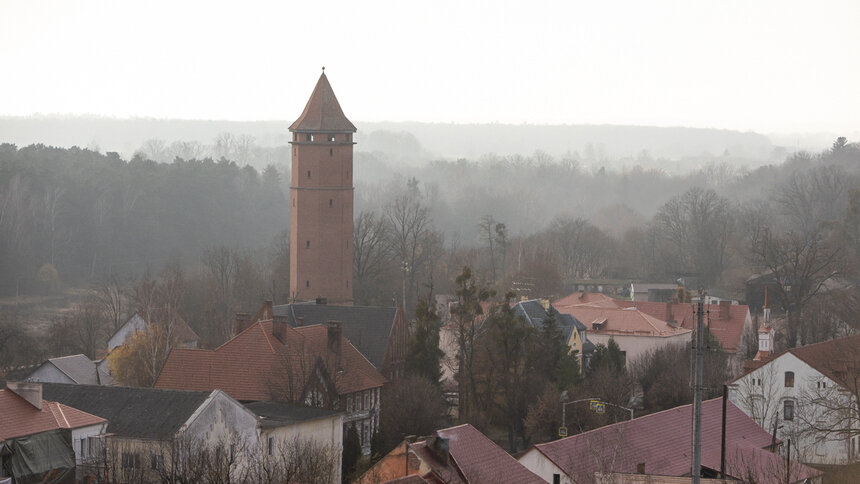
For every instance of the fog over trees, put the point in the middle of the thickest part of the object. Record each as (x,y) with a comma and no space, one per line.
(79,218)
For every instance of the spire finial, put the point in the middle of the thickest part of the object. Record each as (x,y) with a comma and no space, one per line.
(323,69)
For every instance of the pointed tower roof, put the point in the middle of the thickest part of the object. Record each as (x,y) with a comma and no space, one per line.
(322,113)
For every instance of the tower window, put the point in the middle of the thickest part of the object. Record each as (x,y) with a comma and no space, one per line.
(347,284)
(309,137)
(347,136)
(330,202)
(307,283)
(309,173)
(331,137)
(330,152)
(307,244)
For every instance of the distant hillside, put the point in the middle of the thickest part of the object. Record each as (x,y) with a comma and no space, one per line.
(408,141)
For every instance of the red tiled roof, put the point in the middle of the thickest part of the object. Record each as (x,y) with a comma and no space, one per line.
(20,418)
(837,359)
(728,331)
(248,365)
(628,321)
(663,441)
(474,458)
(323,112)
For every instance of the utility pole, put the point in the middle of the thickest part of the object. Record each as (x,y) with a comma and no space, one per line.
(697,406)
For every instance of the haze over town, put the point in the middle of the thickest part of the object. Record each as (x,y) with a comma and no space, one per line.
(488,241)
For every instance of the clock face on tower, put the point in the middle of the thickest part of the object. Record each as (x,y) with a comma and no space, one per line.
(321,200)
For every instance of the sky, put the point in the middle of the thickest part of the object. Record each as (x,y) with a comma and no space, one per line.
(768,66)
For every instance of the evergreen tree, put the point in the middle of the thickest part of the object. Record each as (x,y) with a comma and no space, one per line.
(424,353)
(608,357)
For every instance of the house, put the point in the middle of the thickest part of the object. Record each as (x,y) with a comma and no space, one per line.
(634,331)
(535,311)
(660,444)
(730,324)
(136,323)
(148,427)
(75,369)
(381,334)
(454,455)
(810,395)
(39,437)
(652,292)
(270,360)
(284,427)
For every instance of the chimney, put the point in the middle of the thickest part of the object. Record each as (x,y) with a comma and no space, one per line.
(439,446)
(300,321)
(279,328)
(670,316)
(268,311)
(30,391)
(335,330)
(243,320)
(640,468)
(724,309)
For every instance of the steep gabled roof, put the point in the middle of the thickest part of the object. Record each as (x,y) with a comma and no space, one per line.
(81,369)
(254,364)
(474,458)
(322,112)
(662,441)
(20,418)
(368,328)
(837,359)
(145,413)
(534,314)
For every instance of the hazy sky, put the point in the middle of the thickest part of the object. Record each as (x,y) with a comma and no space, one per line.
(769,66)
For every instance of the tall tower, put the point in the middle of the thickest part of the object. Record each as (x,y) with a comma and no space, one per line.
(321,200)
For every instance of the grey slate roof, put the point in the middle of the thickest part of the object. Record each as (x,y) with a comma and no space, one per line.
(81,370)
(534,314)
(275,414)
(367,328)
(145,413)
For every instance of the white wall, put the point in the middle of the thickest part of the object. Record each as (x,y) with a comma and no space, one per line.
(83,433)
(326,431)
(536,462)
(50,374)
(764,403)
(637,345)
(133,325)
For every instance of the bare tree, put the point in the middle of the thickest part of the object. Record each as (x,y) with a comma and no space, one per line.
(372,249)
(110,294)
(409,223)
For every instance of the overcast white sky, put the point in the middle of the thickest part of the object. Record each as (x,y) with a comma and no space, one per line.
(768,66)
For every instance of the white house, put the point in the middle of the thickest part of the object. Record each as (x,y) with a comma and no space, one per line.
(809,395)
(136,323)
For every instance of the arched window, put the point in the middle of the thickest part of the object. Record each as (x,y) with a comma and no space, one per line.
(789,379)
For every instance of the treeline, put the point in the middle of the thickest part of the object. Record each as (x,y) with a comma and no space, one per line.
(76,214)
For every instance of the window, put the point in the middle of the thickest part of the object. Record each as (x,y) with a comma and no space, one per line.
(271,444)
(83,451)
(309,137)
(349,403)
(366,399)
(309,173)
(330,202)
(307,244)
(232,452)
(330,152)
(348,136)
(788,410)
(308,283)
(156,462)
(789,379)
(556,479)
(331,138)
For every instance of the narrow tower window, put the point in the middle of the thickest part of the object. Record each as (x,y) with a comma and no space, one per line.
(309,137)
(309,173)
(330,202)
(330,152)
(331,138)
(307,283)
(307,244)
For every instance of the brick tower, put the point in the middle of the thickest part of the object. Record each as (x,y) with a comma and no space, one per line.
(321,200)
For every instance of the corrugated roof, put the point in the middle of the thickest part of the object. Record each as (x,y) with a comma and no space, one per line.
(322,112)
(663,442)
(145,413)
(475,458)
(19,418)
(367,328)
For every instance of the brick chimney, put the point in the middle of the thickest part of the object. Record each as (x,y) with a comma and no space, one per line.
(30,391)
(243,321)
(279,328)
(335,330)
(670,316)
(725,307)
(440,447)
